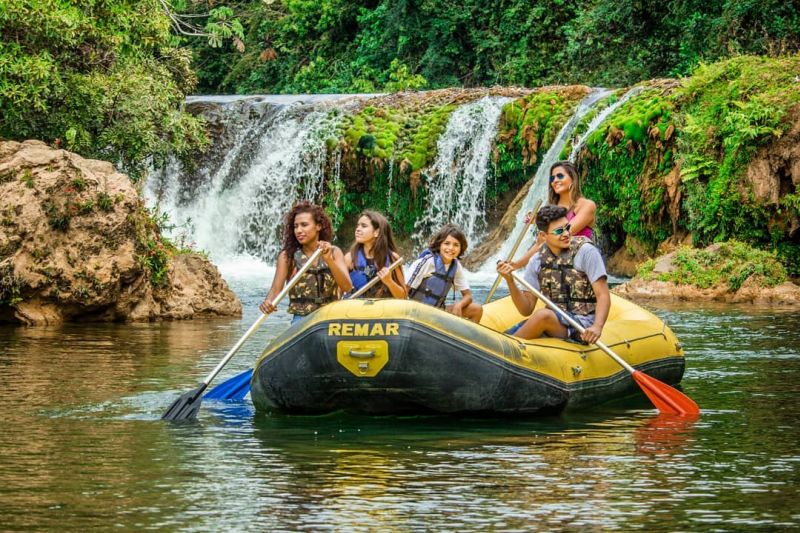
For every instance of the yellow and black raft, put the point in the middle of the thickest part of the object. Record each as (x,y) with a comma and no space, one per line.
(400,356)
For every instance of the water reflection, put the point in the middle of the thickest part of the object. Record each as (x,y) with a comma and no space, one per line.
(83,449)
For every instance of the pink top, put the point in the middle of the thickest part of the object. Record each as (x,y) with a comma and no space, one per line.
(585,232)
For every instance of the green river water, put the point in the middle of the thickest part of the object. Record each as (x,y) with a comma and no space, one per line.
(83,447)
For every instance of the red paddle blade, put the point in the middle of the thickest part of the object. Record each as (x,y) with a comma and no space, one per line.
(665,398)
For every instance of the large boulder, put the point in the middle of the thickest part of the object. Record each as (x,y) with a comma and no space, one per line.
(77,243)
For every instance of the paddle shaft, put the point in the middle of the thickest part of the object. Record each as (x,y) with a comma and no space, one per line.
(573,322)
(311,261)
(374,280)
(514,249)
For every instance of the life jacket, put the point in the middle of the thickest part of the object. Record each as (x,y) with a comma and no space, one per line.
(363,272)
(562,283)
(433,289)
(315,288)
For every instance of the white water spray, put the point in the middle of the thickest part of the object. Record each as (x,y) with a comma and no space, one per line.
(457,179)
(281,159)
(538,189)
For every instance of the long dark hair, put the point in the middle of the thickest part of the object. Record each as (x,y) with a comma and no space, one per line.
(448,230)
(575,193)
(290,242)
(384,243)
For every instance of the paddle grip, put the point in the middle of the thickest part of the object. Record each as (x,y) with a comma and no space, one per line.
(374,280)
(572,322)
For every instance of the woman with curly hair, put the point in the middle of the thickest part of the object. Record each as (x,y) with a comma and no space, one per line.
(307,228)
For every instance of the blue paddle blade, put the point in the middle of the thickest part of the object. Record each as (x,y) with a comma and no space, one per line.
(235,388)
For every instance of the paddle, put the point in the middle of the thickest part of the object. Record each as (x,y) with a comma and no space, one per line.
(185,408)
(514,249)
(237,387)
(665,398)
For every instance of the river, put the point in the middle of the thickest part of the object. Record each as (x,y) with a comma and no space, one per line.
(84,449)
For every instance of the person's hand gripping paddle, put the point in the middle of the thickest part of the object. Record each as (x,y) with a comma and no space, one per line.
(665,398)
(186,407)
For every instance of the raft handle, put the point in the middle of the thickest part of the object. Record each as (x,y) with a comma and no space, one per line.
(364,355)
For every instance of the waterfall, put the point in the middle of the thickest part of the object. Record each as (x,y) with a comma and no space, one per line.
(541,181)
(599,119)
(457,179)
(276,156)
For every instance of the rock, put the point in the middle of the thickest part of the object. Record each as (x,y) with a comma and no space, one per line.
(627,259)
(495,239)
(664,264)
(77,244)
(638,290)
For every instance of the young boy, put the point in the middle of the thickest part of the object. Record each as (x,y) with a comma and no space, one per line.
(570,272)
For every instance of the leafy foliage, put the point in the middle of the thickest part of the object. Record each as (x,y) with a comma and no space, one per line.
(731,263)
(730,109)
(363,45)
(101,78)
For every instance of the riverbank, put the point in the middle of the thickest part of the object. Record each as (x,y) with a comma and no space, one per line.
(730,272)
(78,243)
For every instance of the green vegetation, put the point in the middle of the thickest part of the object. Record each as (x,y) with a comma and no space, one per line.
(528,126)
(708,127)
(728,111)
(9,285)
(295,46)
(731,264)
(102,79)
(625,161)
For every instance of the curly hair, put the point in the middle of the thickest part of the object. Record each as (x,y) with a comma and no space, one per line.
(547,214)
(448,230)
(290,242)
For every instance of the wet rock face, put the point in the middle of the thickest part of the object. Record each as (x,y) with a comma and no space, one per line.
(77,244)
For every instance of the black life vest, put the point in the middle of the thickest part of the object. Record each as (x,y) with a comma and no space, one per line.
(433,289)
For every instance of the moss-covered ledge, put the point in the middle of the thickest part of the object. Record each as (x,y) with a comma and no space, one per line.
(730,271)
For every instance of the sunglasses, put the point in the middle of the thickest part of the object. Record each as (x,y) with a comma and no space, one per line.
(559,176)
(562,229)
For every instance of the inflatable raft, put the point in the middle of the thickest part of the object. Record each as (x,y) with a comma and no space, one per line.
(400,356)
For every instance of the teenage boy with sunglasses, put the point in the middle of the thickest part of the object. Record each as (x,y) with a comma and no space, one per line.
(569,271)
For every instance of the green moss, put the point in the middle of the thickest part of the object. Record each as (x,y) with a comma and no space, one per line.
(730,263)
(625,162)
(728,110)
(405,132)
(528,126)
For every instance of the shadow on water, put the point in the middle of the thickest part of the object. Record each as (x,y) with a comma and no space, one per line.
(83,447)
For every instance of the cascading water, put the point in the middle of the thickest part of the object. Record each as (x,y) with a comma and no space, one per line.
(599,119)
(538,189)
(457,179)
(275,159)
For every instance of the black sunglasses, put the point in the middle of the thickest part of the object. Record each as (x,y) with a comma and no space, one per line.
(559,176)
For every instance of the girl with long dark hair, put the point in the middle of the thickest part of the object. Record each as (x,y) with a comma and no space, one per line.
(371,254)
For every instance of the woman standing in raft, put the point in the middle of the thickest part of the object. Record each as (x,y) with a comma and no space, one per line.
(565,191)
(438,269)
(375,246)
(307,228)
